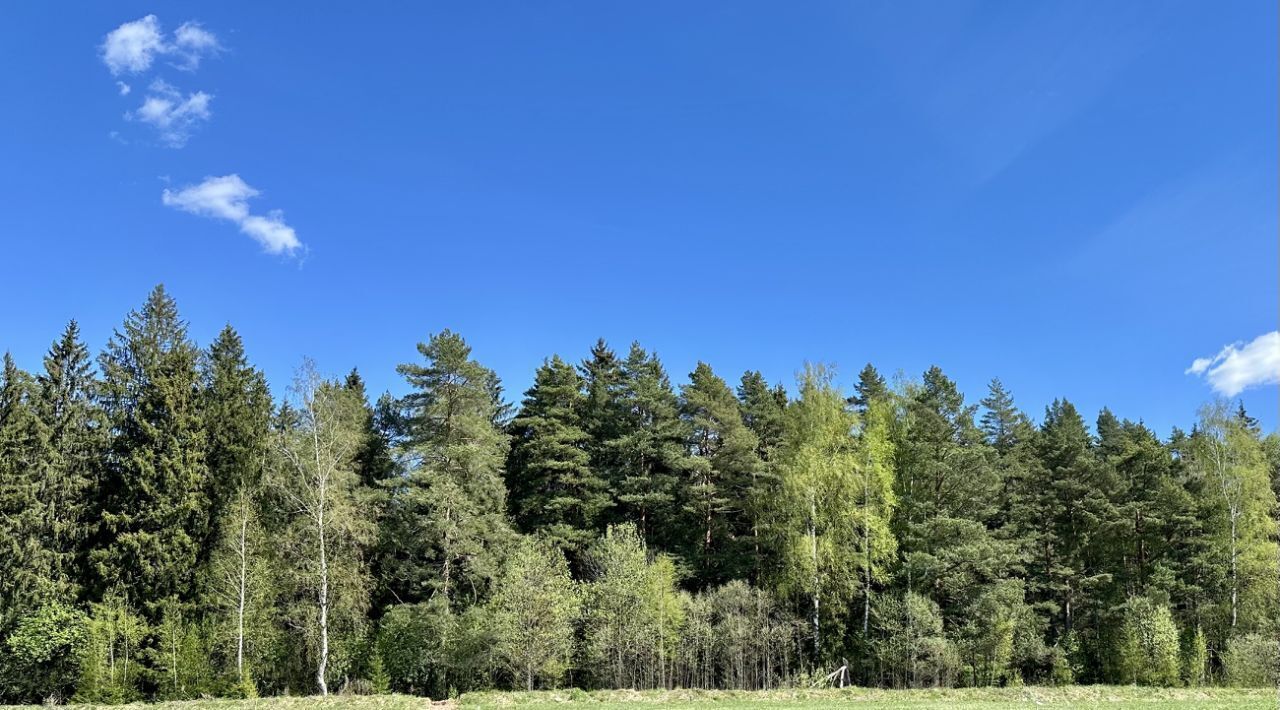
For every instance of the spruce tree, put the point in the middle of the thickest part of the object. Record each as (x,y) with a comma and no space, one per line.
(552,487)
(763,410)
(157,507)
(1002,419)
(375,462)
(236,410)
(28,577)
(68,406)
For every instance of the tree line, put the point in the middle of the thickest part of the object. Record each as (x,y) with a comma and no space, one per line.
(169,530)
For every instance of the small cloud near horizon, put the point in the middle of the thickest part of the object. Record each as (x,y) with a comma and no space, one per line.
(1241,366)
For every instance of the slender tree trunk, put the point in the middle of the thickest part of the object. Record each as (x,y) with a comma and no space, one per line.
(322,499)
(447,572)
(1235,583)
(866,547)
(813,544)
(244,572)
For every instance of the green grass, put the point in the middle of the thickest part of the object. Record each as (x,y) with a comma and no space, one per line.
(1108,697)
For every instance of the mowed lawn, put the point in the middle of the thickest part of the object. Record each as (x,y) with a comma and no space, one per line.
(1109,697)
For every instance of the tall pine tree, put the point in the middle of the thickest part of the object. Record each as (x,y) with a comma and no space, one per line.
(721,477)
(448,515)
(650,450)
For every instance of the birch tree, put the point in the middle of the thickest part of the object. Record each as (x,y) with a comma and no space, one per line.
(330,525)
(240,577)
(1231,460)
(823,508)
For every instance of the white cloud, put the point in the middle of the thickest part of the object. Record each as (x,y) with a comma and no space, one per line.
(123,88)
(191,42)
(131,46)
(172,115)
(227,197)
(1239,366)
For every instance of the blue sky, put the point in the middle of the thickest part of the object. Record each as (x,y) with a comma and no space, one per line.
(1077,197)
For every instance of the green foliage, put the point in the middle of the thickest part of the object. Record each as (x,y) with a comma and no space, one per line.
(1228,457)
(553,489)
(411,644)
(912,649)
(833,506)
(111,659)
(632,612)
(177,658)
(223,546)
(156,509)
(533,611)
(736,636)
(329,529)
(447,525)
(44,653)
(1195,659)
(720,493)
(1252,661)
(1002,639)
(1148,646)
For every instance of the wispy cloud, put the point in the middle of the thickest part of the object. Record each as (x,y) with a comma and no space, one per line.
(227,198)
(123,88)
(173,115)
(191,42)
(133,46)
(1239,366)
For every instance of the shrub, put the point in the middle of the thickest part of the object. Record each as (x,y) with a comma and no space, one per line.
(1148,646)
(45,650)
(533,613)
(1252,660)
(411,647)
(913,651)
(111,658)
(1195,659)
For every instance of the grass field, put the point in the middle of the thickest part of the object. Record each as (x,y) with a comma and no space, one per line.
(1109,697)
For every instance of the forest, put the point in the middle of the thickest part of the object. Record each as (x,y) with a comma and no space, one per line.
(169,529)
